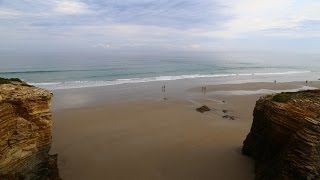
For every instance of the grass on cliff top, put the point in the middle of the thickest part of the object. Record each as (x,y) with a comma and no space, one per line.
(9,80)
(282,97)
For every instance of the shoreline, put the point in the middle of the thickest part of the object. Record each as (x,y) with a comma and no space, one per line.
(143,136)
(180,89)
(193,77)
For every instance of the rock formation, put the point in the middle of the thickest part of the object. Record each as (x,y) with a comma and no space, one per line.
(229,117)
(203,109)
(285,136)
(25,132)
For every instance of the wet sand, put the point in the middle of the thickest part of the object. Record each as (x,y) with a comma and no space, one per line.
(160,139)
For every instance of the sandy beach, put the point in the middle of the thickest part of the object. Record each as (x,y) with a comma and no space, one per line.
(162,136)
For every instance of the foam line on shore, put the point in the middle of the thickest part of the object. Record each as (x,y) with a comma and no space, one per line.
(83,84)
(261,91)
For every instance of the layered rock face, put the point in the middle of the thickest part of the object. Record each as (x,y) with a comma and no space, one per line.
(285,136)
(25,132)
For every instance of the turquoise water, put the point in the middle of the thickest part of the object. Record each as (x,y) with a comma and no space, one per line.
(60,72)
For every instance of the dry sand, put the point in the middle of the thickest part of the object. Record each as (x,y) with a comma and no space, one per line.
(159,139)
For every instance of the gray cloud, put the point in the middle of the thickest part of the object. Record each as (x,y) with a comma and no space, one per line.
(164,24)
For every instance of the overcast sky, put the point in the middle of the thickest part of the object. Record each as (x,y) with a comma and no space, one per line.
(159,25)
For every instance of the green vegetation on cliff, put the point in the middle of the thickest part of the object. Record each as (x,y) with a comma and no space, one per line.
(13,80)
(9,80)
(282,97)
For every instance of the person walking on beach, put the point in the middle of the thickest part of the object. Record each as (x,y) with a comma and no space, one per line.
(163,88)
(204,88)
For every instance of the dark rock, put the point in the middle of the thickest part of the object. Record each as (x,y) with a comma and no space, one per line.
(53,171)
(203,109)
(284,138)
(225,111)
(229,117)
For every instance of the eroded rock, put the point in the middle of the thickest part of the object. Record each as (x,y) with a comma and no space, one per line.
(285,136)
(25,131)
(203,109)
(229,117)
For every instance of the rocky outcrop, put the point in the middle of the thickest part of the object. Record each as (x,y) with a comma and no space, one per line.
(203,109)
(25,132)
(285,136)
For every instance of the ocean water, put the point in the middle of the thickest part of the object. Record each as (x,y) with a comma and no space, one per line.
(65,72)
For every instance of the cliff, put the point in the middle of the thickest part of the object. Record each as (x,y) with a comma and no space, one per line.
(285,136)
(25,132)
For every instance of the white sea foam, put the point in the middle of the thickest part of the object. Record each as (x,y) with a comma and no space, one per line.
(262,91)
(282,73)
(45,83)
(83,84)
